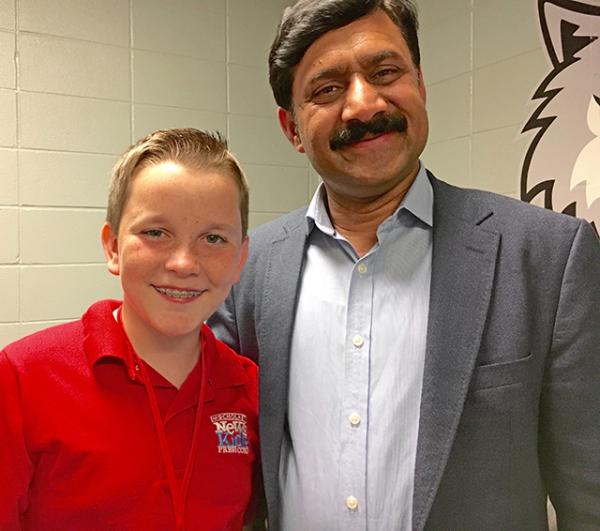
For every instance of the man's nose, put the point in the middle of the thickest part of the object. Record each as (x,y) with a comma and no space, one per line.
(362,100)
(183,261)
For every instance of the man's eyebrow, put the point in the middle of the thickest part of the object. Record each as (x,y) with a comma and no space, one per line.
(328,73)
(378,57)
(367,62)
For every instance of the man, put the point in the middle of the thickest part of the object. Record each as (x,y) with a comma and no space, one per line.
(429,356)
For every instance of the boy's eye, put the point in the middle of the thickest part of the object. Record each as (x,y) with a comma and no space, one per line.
(214,238)
(154,233)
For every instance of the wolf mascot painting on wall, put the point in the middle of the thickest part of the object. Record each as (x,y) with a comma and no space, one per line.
(561,170)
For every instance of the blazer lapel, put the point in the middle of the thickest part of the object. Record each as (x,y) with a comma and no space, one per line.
(277,310)
(464,259)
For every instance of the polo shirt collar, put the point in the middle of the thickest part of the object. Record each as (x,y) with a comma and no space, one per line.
(105,339)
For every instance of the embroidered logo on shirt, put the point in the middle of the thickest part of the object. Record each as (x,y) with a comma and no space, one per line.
(232,432)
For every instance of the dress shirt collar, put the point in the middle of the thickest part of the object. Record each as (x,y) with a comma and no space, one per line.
(418,201)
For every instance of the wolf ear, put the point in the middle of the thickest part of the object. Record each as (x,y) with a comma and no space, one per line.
(568,26)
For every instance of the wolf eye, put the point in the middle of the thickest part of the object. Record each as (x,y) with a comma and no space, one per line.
(597,98)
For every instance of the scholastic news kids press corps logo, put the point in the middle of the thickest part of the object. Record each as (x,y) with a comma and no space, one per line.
(232,433)
(561,170)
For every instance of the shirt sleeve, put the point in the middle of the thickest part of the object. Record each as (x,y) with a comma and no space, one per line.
(15,463)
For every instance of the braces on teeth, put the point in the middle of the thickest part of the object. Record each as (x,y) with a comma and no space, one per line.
(181,294)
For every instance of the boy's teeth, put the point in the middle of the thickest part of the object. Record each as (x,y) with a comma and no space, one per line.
(178,293)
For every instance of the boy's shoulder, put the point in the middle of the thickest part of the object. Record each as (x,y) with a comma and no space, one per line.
(227,367)
(60,345)
(45,346)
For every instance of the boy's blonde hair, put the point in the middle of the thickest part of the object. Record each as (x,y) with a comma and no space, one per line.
(199,150)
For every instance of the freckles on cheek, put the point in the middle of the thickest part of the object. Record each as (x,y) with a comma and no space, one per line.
(136,247)
(134,251)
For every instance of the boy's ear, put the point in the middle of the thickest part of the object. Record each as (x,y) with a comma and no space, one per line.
(110,244)
(288,126)
(243,258)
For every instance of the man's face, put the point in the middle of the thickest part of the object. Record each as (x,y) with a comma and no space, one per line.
(178,251)
(359,75)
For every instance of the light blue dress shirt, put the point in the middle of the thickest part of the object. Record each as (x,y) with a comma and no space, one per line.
(356,371)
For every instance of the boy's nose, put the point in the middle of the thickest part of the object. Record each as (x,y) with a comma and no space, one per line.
(183,261)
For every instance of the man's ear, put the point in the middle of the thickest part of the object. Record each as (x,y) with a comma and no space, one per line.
(110,244)
(288,126)
(421,82)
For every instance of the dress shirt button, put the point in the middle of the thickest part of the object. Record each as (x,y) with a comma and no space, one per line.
(352,503)
(354,419)
(362,269)
(358,340)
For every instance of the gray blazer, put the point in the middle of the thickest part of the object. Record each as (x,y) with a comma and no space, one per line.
(510,407)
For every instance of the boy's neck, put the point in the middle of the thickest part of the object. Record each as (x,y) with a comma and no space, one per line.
(175,366)
(172,357)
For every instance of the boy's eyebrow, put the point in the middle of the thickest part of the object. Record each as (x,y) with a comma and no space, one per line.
(157,217)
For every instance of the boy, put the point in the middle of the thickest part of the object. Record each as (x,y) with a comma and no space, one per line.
(135,417)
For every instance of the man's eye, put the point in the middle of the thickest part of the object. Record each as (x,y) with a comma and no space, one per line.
(154,233)
(325,94)
(385,74)
(214,238)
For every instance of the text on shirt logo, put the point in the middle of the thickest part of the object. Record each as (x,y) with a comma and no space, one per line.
(232,432)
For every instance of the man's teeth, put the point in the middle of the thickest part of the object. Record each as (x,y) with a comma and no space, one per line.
(178,293)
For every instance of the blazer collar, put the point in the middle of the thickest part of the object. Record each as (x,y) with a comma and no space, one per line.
(463,267)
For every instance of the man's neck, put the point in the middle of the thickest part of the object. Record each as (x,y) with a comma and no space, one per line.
(358,219)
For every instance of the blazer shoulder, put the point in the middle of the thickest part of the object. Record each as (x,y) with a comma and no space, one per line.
(278,228)
(502,214)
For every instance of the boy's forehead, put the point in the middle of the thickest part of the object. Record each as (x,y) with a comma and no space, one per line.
(168,182)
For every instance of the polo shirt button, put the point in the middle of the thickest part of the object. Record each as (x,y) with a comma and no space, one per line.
(352,503)
(354,419)
(362,269)
(358,340)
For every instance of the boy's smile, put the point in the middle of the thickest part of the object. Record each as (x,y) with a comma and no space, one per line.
(178,251)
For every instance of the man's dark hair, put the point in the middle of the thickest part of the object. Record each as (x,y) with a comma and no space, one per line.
(307,20)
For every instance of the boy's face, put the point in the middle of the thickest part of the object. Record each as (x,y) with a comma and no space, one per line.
(178,251)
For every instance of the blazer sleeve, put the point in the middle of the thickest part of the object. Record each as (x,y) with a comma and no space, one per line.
(15,464)
(570,401)
(223,323)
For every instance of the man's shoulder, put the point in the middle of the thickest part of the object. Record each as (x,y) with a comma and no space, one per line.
(499,212)
(262,237)
(279,228)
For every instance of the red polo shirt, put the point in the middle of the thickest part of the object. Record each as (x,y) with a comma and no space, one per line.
(78,444)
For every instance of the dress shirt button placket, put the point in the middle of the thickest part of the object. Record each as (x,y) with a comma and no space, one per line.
(353,457)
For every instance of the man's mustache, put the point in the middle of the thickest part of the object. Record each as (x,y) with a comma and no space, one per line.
(356,130)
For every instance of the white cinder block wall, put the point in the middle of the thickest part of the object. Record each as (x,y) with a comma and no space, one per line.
(482,61)
(80,80)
